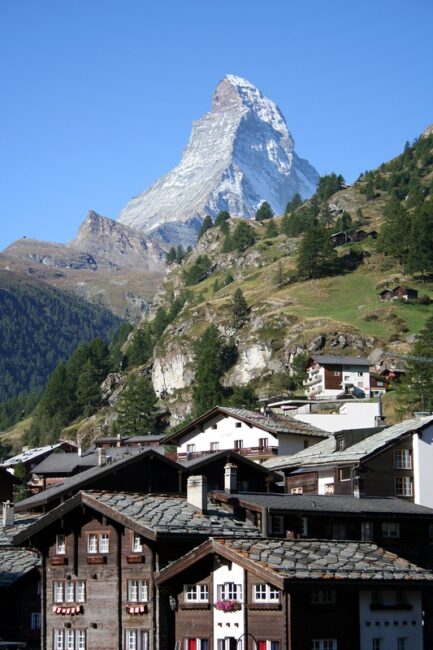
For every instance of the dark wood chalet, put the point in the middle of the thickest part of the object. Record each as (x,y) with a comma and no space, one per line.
(400,292)
(291,595)
(100,552)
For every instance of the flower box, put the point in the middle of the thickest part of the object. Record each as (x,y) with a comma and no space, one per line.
(228,606)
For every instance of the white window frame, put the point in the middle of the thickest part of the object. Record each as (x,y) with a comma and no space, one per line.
(58,591)
(137,591)
(265,593)
(403,486)
(196,593)
(403,458)
(80,591)
(190,449)
(98,543)
(92,543)
(230,591)
(69,639)
(214,446)
(104,543)
(297,490)
(136,639)
(137,543)
(238,444)
(59,639)
(69,592)
(61,544)
(391,529)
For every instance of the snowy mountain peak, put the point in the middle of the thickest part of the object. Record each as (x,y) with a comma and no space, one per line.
(239,154)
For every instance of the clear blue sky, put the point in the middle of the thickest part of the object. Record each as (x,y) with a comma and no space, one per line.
(98,96)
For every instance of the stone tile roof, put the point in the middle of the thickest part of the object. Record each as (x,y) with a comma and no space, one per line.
(15,563)
(168,514)
(331,503)
(275,423)
(74,483)
(64,463)
(31,454)
(7,533)
(324,452)
(327,559)
(345,361)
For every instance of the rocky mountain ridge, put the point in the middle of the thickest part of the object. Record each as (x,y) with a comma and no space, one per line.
(239,154)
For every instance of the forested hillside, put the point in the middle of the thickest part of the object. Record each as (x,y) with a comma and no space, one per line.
(40,326)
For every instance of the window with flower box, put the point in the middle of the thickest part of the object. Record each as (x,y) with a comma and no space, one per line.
(137,543)
(69,591)
(265,593)
(137,591)
(196,593)
(60,544)
(98,543)
(229,591)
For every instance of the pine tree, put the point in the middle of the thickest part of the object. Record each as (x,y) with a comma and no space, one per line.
(171,256)
(264,212)
(222,217)
(137,413)
(420,258)
(140,349)
(279,280)
(317,257)
(207,391)
(206,225)
(394,238)
(88,389)
(294,203)
(240,309)
(271,230)
(243,237)
(416,390)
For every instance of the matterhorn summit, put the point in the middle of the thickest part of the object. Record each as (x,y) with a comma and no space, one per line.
(239,155)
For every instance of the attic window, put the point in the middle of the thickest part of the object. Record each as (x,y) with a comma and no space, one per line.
(238,425)
(214,426)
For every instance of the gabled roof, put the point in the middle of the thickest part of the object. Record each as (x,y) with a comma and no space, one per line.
(274,424)
(21,521)
(89,476)
(326,454)
(202,461)
(34,454)
(345,361)
(282,562)
(318,504)
(16,563)
(149,515)
(64,463)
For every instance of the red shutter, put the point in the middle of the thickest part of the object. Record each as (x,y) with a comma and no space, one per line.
(192,644)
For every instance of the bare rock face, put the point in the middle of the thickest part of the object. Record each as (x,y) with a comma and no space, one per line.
(239,155)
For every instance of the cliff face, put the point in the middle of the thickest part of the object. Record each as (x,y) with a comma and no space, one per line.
(239,154)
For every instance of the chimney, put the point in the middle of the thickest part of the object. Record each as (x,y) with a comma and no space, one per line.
(102,456)
(119,440)
(79,451)
(230,478)
(8,513)
(196,492)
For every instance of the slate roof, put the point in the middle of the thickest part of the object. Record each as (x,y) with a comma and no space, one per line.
(67,463)
(327,559)
(151,515)
(31,454)
(80,480)
(195,463)
(327,504)
(324,359)
(284,561)
(15,563)
(272,423)
(324,453)
(7,533)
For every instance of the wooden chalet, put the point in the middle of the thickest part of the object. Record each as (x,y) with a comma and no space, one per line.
(100,552)
(256,435)
(396,461)
(330,376)
(294,595)
(399,293)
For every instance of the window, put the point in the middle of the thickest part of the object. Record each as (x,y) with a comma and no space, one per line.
(190,449)
(268,645)
(306,444)
(340,444)
(324,644)
(239,444)
(229,591)
(202,644)
(329,488)
(390,529)
(339,531)
(296,490)
(137,543)
(403,486)
(98,543)
(35,621)
(403,458)
(344,473)
(401,643)
(336,373)
(69,591)
(323,597)
(137,591)
(214,446)
(277,525)
(60,544)
(263,443)
(367,531)
(304,526)
(214,426)
(196,593)
(266,594)
(238,425)
(360,374)
(377,644)
(68,639)
(136,639)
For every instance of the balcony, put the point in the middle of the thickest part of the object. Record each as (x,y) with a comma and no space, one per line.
(258,452)
(311,381)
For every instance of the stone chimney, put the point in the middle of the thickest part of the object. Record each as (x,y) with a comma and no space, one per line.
(230,478)
(8,513)
(196,492)
(119,440)
(102,456)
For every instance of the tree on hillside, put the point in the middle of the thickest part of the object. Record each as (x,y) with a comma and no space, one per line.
(137,413)
(140,349)
(222,217)
(294,203)
(207,391)
(299,367)
(240,309)
(420,259)
(271,230)
(198,271)
(317,256)
(88,391)
(206,225)
(264,212)
(243,237)
(328,185)
(170,256)
(416,390)
(394,238)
